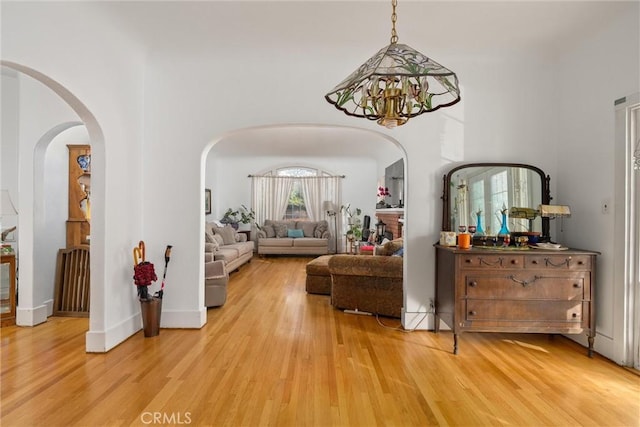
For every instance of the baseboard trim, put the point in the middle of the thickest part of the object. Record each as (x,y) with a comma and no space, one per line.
(31,316)
(103,341)
(418,320)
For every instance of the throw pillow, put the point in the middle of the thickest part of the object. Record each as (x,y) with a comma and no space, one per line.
(295,233)
(308,228)
(218,239)
(269,231)
(280,229)
(392,246)
(399,252)
(208,233)
(320,229)
(228,234)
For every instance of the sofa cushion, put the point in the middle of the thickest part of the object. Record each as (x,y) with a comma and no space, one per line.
(211,247)
(228,234)
(268,230)
(280,229)
(320,229)
(390,247)
(241,247)
(308,228)
(309,242)
(295,233)
(226,254)
(218,239)
(277,241)
(208,233)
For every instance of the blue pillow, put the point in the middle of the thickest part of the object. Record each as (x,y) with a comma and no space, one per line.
(399,252)
(295,233)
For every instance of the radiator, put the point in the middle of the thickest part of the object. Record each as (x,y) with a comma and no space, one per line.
(72,282)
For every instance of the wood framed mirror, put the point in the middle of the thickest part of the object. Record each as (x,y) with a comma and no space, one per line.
(491,187)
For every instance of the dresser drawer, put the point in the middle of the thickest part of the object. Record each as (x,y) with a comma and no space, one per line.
(562,262)
(523,311)
(491,261)
(528,285)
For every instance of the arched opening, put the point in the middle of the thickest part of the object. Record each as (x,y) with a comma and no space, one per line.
(31,310)
(360,154)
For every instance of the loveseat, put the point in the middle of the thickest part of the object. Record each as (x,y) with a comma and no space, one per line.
(226,244)
(293,238)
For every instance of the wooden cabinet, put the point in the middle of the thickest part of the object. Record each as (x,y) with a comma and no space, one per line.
(8,290)
(78,228)
(497,290)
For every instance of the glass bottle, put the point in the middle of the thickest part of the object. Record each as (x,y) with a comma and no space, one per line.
(479,229)
(504,230)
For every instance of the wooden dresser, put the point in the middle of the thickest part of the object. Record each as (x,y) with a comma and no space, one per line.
(503,290)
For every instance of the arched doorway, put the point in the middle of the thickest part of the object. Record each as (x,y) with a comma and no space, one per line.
(31,310)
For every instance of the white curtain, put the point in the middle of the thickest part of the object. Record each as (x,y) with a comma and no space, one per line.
(270,196)
(317,190)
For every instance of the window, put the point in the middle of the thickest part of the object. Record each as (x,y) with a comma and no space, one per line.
(296,208)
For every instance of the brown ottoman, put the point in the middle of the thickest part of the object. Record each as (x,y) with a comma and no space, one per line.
(318,276)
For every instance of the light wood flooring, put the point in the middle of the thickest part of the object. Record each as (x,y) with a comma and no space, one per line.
(274,355)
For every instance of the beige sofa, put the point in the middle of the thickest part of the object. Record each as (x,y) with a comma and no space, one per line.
(226,244)
(293,238)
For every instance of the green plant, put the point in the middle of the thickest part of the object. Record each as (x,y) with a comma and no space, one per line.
(353,220)
(243,214)
(247,216)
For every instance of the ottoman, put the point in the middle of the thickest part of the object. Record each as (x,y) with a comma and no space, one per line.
(318,276)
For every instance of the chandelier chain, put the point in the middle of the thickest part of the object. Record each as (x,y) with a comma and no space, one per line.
(394,17)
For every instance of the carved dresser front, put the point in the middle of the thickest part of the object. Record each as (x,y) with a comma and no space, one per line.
(501,290)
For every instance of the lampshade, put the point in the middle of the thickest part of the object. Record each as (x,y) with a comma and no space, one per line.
(523,213)
(395,84)
(554,211)
(328,206)
(7,207)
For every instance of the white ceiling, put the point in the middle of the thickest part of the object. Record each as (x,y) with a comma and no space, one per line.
(457,27)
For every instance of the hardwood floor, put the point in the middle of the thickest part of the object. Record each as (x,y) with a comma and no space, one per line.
(274,355)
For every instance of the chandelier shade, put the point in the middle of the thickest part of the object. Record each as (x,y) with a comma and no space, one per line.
(395,84)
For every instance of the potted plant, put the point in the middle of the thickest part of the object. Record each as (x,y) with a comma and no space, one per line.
(383,193)
(242,217)
(353,220)
(230,217)
(247,217)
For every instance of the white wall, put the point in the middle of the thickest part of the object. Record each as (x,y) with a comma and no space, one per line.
(99,75)
(227,177)
(591,77)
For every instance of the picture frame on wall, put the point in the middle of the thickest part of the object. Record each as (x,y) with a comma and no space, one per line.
(207,201)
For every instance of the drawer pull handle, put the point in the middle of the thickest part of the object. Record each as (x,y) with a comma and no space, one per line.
(524,282)
(574,315)
(473,284)
(563,263)
(514,261)
(468,261)
(535,261)
(497,262)
(472,313)
(576,285)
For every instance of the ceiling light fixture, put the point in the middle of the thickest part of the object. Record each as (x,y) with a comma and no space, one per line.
(395,84)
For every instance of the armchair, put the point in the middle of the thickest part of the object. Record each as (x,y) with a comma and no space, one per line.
(216,278)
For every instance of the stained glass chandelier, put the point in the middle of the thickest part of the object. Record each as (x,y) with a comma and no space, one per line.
(397,83)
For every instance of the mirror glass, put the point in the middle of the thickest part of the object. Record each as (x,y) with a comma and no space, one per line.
(484,195)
